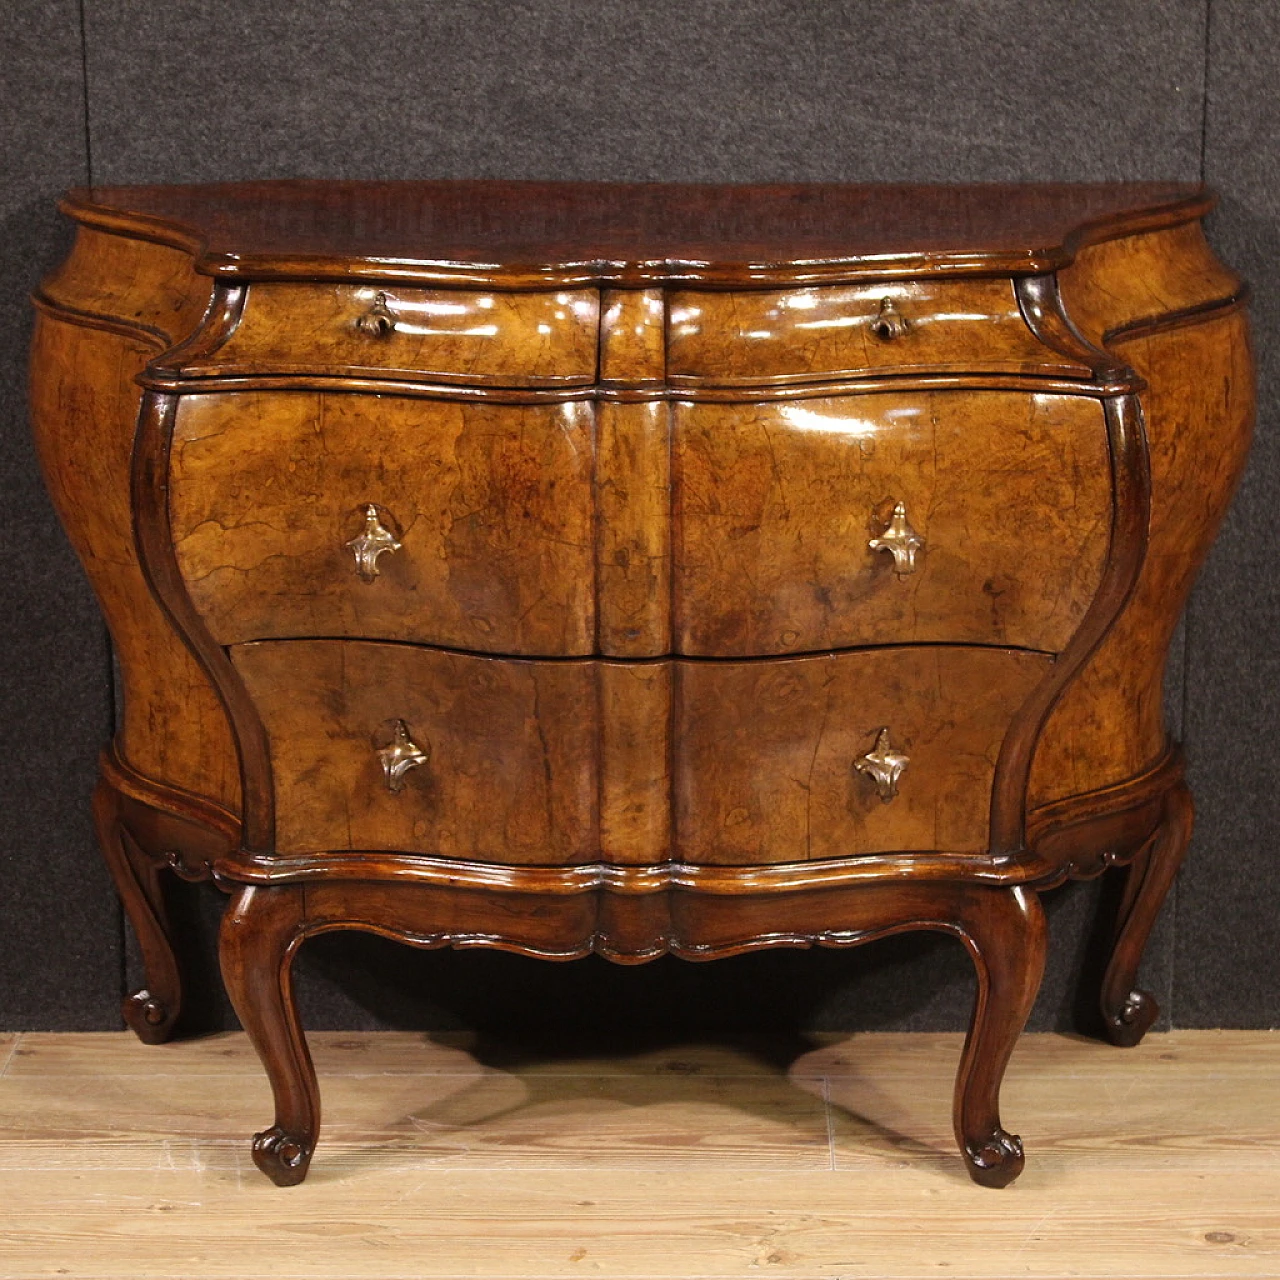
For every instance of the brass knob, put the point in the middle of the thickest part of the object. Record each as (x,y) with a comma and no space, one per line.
(889,323)
(374,539)
(379,321)
(401,755)
(884,766)
(900,540)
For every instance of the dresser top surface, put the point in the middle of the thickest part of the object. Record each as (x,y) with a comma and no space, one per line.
(526,233)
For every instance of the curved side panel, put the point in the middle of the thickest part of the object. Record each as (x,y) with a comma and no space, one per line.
(150,489)
(1120,283)
(84,405)
(150,287)
(1109,725)
(1131,498)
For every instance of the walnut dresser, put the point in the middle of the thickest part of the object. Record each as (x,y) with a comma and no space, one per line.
(640,569)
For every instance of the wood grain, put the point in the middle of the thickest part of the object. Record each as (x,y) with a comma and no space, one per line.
(83,405)
(798,335)
(762,767)
(1122,282)
(136,283)
(512,776)
(483,339)
(641,531)
(692,1158)
(775,506)
(765,751)
(493,505)
(635,762)
(546,234)
(633,337)
(633,555)
(1199,409)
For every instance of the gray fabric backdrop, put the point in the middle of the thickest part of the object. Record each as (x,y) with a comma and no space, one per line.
(703,90)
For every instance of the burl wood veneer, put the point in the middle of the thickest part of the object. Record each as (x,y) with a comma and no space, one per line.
(641,569)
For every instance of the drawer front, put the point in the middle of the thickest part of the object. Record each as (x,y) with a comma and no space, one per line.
(393,747)
(286,506)
(768,752)
(510,769)
(485,339)
(894,326)
(969,517)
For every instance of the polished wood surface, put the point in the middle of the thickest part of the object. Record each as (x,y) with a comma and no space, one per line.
(1004,931)
(484,339)
(135,285)
(1199,408)
(513,770)
(765,751)
(530,233)
(492,504)
(761,755)
(906,326)
(776,507)
(83,406)
(641,570)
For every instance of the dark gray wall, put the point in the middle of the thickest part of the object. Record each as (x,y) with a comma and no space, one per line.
(667,89)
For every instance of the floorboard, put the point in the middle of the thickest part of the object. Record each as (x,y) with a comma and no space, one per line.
(455,1156)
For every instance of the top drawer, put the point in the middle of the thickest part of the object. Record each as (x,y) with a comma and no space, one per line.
(889,326)
(482,339)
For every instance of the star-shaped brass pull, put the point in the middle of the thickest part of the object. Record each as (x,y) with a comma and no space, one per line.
(371,542)
(400,756)
(884,766)
(901,540)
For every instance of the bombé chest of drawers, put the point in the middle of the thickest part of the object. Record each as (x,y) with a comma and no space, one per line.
(640,569)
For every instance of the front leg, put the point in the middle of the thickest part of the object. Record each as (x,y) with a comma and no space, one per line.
(261,931)
(1004,931)
(1128,1011)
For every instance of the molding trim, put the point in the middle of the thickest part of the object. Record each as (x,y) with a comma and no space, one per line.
(158,559)
(80,205)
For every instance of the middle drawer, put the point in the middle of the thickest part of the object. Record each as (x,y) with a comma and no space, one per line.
(721,530)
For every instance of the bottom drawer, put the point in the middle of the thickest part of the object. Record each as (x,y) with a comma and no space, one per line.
(383,746)
(510,774)
(767,751)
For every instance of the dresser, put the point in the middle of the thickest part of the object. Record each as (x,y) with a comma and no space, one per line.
(640,569)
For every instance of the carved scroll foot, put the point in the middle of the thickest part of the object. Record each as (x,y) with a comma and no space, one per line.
(997,1162)
(1133,1020)
(151,1012)
(1004,930)
(261,931)
(283,1157)
(148,1017)
(1128,1011)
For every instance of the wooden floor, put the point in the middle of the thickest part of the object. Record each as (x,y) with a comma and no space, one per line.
(443,1157)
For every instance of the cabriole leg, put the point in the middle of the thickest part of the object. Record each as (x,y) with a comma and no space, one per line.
(1005,932)
(261,931)
(1127,1011)
(152,1011)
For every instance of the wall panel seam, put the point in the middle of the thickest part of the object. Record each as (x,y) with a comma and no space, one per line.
(84,81)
